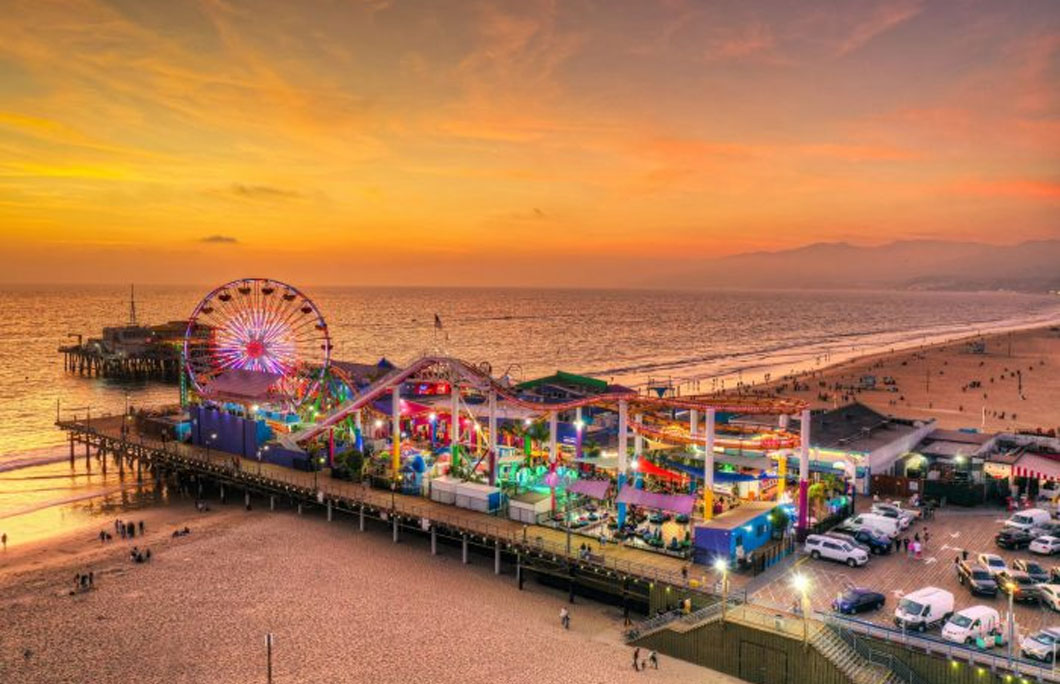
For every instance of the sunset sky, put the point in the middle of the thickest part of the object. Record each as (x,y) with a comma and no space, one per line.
(565,143)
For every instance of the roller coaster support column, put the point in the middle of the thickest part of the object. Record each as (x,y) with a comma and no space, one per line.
(638,450)
(454,421)
(804,475)
(395,407)
(358,423)
(579,432)
(493,441)
(782,463)
(693,423)
(553,426)
(623,437)
(708,468)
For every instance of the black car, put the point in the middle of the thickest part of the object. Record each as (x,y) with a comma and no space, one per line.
(977,578)
(1013,538)
(870,542)
(1019,585)
(858,601)
(1033,569)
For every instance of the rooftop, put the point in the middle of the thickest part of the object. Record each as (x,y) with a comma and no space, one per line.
(741,515)
(856,427)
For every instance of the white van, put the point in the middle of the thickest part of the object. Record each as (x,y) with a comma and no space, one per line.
(924,608)
(1029,518)
(888,526)
(834,548)
(970,624)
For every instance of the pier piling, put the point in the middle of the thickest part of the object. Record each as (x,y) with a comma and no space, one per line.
(361,523)
(272,502)
(434,541)
(497,557)
(299,509)
(329,510)
(395,529)
(519,570)
(465,550)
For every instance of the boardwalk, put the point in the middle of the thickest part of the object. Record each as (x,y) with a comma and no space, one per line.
(106,433)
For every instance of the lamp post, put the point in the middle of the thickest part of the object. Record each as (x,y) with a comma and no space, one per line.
(722,565)
(393,493)
(802,585)
(209,441)
(1011,588)
(566,515)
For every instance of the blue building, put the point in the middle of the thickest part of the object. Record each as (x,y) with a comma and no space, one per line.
(749,525)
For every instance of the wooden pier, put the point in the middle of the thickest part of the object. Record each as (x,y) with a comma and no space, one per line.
(640,580)
(91,360)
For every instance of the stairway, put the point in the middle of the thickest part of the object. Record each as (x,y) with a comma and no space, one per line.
(850,662)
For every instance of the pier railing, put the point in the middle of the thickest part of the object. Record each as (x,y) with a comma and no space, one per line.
(105,430)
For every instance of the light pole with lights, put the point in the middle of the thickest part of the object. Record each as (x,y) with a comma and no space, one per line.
(722,565)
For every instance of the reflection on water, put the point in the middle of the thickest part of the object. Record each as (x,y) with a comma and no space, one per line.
(42,501)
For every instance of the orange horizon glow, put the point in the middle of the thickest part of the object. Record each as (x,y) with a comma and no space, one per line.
(530,143)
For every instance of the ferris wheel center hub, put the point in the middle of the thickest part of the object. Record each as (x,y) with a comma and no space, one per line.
(255,349)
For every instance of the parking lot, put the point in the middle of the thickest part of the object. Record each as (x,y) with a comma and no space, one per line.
(894,575)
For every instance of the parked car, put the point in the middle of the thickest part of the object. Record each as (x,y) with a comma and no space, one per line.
(904,518)
(1020,585)
(993,563)
(820,546)
(1036,572)
(1013,538)
(923,609)
(1050,595)
(1049,491)
(1045,546)
(971,624)
(977,578)
(1027,519)
(1050,529)
(858,600)
(874,543)
(1041,645)
(848,526)
(878,522)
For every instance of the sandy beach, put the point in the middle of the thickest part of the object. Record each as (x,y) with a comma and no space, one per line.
(344,606)
(1012,384)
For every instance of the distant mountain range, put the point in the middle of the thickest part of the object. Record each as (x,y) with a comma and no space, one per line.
(907,265)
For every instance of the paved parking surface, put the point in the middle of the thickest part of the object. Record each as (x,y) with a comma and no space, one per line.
(952,530)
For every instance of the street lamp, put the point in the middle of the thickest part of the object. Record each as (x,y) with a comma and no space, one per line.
(1011,589)
(209,441)
(722,565)
(318,463)
(260,452)
(802,585)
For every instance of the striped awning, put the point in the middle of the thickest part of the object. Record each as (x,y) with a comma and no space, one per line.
(1033,465)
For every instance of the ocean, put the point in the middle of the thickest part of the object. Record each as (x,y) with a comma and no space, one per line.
(693,339)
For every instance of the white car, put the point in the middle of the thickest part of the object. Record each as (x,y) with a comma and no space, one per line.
(1045,546)
(993,563)
(904,518)
(1050,595)
(1041,645)
(832,548)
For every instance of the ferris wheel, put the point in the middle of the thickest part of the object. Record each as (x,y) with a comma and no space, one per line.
(261,328)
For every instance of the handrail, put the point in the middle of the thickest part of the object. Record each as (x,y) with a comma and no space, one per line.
(873,655)
(403,505)
(955,652)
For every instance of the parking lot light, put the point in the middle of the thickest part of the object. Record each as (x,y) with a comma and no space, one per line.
(802,585)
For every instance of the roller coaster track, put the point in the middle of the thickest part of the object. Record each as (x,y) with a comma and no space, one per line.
(479,380)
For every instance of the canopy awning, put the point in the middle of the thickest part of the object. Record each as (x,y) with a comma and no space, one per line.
(596,489)
(1033,465)
(241,385)
(674,503)
(648,468)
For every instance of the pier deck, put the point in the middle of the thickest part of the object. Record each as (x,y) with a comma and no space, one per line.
(105,435)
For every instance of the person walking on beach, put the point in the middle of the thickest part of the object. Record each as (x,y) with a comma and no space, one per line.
(564,617)
(653,658)
(636,659)
(3,540)
(141,528)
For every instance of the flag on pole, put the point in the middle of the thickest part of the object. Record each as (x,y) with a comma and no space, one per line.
(437,322)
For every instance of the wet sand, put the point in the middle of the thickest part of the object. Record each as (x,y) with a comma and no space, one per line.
(344,606)
(937,382)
